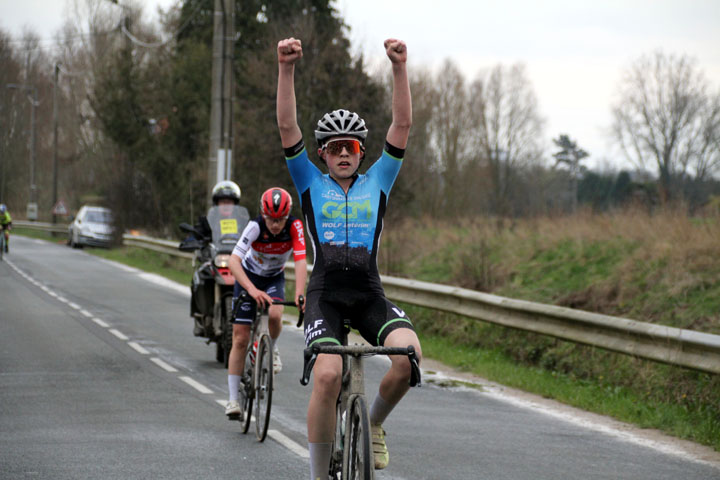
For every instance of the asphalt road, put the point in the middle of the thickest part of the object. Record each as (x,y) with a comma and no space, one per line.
(100,377)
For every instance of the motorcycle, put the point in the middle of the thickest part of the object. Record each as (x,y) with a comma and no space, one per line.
(211,302)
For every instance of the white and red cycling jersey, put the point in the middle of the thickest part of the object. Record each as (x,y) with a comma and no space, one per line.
(265,254)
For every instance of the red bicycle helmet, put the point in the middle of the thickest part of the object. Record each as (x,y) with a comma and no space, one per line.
(276,203)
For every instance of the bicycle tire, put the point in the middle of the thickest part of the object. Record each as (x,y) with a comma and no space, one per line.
(227,329)
(336,457)
(263,386)
(246,396)
(2,244)
(358,463)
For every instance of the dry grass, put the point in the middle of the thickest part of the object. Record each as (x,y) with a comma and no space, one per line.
(650,267)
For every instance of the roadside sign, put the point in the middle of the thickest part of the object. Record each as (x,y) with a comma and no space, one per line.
(32,211)
(59,208)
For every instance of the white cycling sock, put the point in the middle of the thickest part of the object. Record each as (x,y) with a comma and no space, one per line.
(379,410)
(233,387)
(319,460)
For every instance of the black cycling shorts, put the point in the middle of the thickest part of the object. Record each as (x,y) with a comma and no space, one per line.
(370,313)
(273,286)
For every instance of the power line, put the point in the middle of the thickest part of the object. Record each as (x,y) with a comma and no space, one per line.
(121,28)
(140,43)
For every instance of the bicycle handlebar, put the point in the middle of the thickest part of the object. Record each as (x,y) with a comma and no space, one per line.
(310,355)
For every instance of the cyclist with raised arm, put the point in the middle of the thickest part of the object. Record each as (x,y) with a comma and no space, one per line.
(5,224)
(258,265)
(343,211)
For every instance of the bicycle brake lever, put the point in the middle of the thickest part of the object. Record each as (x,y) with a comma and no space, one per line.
(415,377)
(301,314)
(309,357)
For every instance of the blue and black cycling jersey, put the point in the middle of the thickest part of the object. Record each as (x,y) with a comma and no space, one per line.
(344,227)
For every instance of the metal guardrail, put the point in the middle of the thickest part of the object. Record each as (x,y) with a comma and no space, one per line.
(675,346)
(44,226)
(165,246)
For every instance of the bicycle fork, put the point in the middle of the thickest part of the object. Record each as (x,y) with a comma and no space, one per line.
(353,386)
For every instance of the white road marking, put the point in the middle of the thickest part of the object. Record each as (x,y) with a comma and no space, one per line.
(164,282)
(278,436)
(86,313)
(139,348)
(100,322)
(74,306)
(119,334)
(165,366)
(196,385)
(120,266)
(288,443)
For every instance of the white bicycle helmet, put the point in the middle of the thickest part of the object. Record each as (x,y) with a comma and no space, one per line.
(340,122)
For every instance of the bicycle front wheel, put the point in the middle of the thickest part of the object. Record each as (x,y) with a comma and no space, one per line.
(264,386)
(357,459)
(246,396)
(227,330)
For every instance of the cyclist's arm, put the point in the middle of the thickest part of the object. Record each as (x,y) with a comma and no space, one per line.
(300,281)
(399,130)
(249,235)
(298,240)
(289,52)
(238,272)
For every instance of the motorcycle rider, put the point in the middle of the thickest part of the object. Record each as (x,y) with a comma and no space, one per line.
(224,193)
(258,265)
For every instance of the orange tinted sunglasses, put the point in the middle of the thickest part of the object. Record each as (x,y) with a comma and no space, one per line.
(335,147)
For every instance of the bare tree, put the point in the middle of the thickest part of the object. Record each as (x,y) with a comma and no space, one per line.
(664,115)
(419,186)
(509,128)
(451,134)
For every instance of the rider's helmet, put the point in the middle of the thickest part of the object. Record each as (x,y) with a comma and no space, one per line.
(226,189)
(3,209)
(276,203)
(340,123)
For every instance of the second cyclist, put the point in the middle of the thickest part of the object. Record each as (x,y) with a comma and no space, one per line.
(258,265)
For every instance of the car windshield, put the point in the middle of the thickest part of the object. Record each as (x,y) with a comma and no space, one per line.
(98,216)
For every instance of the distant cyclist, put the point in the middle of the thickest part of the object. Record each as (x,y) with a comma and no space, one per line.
(5,224)
(258,265)
(344,215)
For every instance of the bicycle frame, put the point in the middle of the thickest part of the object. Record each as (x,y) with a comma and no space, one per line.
(258,386)
(352,391)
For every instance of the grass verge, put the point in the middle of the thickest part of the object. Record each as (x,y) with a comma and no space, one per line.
(697,424)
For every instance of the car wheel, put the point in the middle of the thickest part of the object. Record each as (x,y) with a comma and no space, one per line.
(73,243)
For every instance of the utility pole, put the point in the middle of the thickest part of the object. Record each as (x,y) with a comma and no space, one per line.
(221,114)
(55,141)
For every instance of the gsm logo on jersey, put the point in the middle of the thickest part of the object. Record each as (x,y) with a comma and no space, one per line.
(352,209)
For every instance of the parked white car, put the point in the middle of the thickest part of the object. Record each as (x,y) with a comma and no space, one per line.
(92,226)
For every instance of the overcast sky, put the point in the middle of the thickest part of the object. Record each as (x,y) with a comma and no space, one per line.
(574,50)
